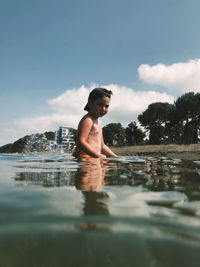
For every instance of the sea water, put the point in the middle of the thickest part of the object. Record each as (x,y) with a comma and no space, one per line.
(56,211)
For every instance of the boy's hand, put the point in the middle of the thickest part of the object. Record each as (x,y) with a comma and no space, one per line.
(102,156)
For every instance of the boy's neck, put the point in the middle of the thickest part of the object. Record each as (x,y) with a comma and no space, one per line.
(92,117)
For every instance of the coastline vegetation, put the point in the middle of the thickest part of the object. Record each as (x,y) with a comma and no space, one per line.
(19,145)
(161,123)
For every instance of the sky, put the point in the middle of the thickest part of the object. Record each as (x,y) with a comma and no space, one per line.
(54,52)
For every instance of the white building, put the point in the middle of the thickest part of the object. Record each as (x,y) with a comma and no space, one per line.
(64,137)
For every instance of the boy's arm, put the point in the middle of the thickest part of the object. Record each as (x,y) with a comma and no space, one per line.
(105,149)
(83,132)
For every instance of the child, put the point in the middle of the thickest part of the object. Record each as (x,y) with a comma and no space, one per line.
(90,141)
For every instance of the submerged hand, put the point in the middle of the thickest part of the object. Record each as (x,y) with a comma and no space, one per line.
(102,156)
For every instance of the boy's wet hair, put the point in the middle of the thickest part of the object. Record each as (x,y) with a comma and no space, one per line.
(97,93)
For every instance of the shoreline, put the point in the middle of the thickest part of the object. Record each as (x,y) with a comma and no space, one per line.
(191,152)
(187,152)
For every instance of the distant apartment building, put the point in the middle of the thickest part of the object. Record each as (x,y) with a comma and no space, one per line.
(64,137)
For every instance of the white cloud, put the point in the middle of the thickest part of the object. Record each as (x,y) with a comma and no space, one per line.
(68,108)
(127,104)
(181,76)
(72,100)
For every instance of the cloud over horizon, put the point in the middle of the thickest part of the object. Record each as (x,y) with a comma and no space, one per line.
(183,76)
(68,108)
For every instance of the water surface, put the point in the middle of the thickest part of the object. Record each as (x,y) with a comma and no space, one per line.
(129,211)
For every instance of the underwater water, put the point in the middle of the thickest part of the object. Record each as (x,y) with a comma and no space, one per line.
(127,211)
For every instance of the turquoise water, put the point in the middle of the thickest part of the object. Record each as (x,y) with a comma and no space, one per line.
(57,211)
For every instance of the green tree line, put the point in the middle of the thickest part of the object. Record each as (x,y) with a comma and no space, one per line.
(163,123)
(116,135)
(173,123)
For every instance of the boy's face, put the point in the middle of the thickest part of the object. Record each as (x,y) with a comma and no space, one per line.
(99,107)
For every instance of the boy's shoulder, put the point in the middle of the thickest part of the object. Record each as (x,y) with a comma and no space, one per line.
(86,118)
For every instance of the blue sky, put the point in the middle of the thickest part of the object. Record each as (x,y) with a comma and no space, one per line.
(52,53)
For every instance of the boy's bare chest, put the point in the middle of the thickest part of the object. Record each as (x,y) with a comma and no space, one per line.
(95,130)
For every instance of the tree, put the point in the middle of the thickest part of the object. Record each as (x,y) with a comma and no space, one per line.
(134,135)
(114,134)
(188,113)
(49,135)
(154,119)
(6,148)
(174,128)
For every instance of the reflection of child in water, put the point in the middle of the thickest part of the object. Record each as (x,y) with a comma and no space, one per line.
(90,142)
(90,176)
(89,179)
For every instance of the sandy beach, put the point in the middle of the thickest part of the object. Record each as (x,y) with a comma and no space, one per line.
(173,151)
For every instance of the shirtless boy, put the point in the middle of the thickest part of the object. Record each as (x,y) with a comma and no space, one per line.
(90,142)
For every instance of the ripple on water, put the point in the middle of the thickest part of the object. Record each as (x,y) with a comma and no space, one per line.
(147,206)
